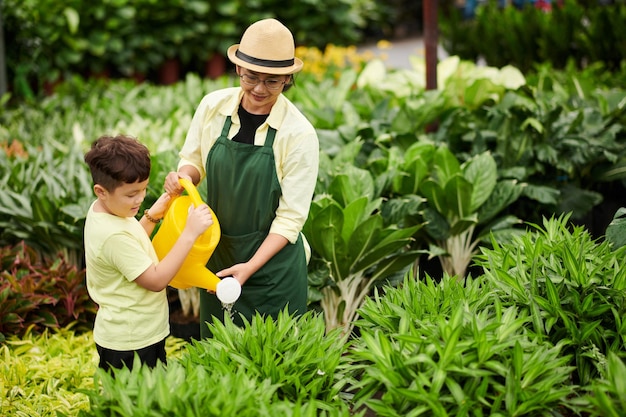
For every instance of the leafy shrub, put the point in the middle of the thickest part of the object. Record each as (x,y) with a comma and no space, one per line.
(527,35)
(45,374)
(42,374)
(35,295)
(572,287)
(295,354)
(442,349)
(607,393)
(287,367)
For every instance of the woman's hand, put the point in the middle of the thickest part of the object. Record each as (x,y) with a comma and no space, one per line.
(172,185)
(241,272)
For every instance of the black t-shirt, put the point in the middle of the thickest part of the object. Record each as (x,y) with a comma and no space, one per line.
(249,124)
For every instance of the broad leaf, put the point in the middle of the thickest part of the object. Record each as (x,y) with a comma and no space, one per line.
(436,225)
(445,166)
(458,197)
(482,172)
(435,195)
(504,194)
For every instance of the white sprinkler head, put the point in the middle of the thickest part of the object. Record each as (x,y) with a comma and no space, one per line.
(228,290)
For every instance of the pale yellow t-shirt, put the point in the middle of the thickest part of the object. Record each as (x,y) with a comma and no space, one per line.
(117,251)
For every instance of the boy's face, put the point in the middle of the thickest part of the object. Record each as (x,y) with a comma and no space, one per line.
(125,200)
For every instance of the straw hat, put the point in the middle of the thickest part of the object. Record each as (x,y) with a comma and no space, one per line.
(267,46)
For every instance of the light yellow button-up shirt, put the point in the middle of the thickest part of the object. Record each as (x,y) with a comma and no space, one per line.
(296,151)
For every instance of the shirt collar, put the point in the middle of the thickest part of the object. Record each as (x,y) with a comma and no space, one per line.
(275,118)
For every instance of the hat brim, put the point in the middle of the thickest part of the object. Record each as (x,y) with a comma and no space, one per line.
(296,67)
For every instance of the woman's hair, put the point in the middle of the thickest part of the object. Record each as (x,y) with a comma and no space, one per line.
(291,83)
(118,160)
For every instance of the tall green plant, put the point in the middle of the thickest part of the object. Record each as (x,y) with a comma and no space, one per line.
(461,197)
(463,202)
(353,245)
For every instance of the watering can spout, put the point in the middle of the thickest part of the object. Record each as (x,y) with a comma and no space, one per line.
(193,272)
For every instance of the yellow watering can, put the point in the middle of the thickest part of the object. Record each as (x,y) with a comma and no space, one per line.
(193,272)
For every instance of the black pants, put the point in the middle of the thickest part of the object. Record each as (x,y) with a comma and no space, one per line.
(149,356)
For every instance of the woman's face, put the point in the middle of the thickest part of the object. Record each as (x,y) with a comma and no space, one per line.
(260,90)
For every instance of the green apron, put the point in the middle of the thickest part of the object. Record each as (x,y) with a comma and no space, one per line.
(243,191)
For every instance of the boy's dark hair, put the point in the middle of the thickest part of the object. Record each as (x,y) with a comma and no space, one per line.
(114,161)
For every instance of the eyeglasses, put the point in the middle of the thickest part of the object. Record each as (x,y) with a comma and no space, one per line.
(270,83)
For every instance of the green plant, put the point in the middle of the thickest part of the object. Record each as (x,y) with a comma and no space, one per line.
(45,199)
(462,201)
(294,354)
(560,135)
(572,288)
(570,32)
(458,353)
(42,374)
(44,43)
(351,243)
(460,197)
(287,367)
(35,295)
(607,393)
(616,231)
(45,374)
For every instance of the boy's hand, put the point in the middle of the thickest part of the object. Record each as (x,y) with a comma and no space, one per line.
(160,206)
(198,220)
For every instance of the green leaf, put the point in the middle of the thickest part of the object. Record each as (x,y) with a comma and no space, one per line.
(616,230)
(73,19)
(435,196)
(365,236)
(445,165)
(504,194)
(481,171)
(436,225)
(458,198)
(328,224)
(542,193)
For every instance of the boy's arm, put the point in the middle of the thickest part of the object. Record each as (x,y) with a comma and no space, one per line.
(157,277)
(154,214)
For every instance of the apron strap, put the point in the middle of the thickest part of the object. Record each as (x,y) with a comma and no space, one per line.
(226,127)
(269,139)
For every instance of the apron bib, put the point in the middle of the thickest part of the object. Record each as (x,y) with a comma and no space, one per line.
(243,191)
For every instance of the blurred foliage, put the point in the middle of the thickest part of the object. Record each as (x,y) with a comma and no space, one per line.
(52,40)
(524,34)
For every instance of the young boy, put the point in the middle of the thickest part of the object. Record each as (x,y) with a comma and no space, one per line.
(124,275)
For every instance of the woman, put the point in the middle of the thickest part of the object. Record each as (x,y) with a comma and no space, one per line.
(259,156)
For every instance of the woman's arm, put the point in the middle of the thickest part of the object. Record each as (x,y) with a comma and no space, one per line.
(272,244)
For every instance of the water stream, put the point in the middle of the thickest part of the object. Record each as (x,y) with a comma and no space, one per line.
(228,308)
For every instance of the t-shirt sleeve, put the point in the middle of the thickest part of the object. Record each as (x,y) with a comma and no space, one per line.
(125,253)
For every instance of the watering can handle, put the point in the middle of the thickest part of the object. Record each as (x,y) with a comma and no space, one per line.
(192,191)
